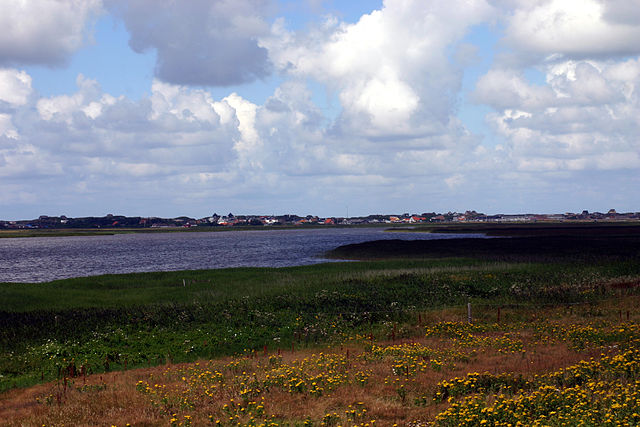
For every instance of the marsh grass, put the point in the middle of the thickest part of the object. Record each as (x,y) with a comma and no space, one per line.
(105,323)
(358,380)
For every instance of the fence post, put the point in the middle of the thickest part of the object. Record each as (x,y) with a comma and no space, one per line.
(469,312)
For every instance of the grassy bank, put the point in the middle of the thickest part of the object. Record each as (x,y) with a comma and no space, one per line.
(106,322)
(536,365)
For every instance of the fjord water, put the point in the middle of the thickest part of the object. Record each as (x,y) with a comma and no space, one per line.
(41,259)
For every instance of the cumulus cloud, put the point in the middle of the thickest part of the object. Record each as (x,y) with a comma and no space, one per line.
(63,107)
(44,31)
(15,87)
(199,42)
(20,161)
(509,89)
(177,144)
(90,136)
(396,74)
(6,127)
(393,74)
(15,91)
(579,124)
(584,118)
(564,29)
(187,105)
(291,131)
(622,11)
(390,69)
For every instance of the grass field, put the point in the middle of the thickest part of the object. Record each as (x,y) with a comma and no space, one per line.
(377,342)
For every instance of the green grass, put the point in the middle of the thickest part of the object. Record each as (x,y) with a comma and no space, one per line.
(209,286)
(105,322)
(125,290)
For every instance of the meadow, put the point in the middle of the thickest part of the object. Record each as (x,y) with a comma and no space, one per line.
(553,340)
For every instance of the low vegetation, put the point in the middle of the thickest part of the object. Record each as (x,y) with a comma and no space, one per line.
(550,341)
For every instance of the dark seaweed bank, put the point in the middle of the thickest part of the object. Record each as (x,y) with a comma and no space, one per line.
(524,242)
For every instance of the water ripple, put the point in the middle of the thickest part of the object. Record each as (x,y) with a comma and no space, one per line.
(40,259)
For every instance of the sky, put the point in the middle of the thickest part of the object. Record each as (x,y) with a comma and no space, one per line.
(168,108)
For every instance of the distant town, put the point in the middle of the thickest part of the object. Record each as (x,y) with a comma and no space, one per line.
(231,220)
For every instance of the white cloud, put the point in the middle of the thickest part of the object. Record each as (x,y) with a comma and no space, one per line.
(508,88)
(201,42)
(249,143)
(397,83)
(92,135)
(15,86)
(622,11)
(6,127)
(390,69)
(585,118)
(62,108)
(454,181)
(577,29)
(394,145)
(44,31)
(21,160)
(15,91)
(188,105)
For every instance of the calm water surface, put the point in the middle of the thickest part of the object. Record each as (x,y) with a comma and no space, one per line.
(39,259)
